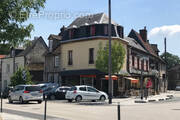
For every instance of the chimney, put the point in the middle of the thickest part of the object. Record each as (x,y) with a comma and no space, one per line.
(50,45)
(143,34)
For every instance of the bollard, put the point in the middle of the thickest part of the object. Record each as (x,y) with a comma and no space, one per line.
(119,114)
(45,98)
(1,102)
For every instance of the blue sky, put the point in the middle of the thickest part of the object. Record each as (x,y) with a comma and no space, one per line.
(161,17)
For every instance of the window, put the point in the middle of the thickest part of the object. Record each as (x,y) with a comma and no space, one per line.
(16,66)
(90,89)
(138,63)
(71,34)
(57,61)
(82,88)
(7,68)
(70,57)
(147,65)
(133,61)
(142,65)
(93,30)
(91,55)
(105,30)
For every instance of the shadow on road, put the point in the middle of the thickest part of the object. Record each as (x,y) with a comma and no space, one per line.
(30,115)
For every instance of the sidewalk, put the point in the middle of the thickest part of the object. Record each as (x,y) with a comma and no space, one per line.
(134,100)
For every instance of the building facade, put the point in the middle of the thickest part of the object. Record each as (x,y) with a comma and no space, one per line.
(32,58)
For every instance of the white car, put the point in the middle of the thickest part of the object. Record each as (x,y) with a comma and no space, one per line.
(83,92)
(26,93)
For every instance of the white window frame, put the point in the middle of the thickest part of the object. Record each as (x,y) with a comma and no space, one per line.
(56,61)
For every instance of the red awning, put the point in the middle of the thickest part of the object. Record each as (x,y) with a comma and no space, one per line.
(91,76)
(113,77)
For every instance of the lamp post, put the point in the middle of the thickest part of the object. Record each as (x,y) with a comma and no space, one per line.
(109,62)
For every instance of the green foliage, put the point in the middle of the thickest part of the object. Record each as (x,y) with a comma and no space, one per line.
(17,78)
(4,49)
(118,55)
(13,14)
(172,60)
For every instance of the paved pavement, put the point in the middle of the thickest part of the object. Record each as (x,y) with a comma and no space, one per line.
(61,110)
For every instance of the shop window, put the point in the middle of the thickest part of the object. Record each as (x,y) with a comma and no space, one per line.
(91,55)
(70,57)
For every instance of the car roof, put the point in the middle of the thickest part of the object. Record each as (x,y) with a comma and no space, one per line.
(82,86)
(27,85)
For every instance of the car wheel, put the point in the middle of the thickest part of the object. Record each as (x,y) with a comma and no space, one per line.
(39,101)
(78,98)
(69,100)
(52,97)
(10,100)
(102,98)
(21,100)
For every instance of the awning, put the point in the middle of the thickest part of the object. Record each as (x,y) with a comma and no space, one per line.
(133,80)
(114,77)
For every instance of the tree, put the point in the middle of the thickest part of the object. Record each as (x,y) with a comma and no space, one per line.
(21,76)
(118,55)
(13,14)
(172,60)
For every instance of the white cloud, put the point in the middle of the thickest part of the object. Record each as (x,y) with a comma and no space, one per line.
(165,31)
(171,32)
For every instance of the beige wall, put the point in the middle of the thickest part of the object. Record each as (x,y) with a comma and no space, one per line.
(7,75)
(81,54)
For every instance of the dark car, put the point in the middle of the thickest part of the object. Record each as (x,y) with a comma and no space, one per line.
(6,92)
(59,93)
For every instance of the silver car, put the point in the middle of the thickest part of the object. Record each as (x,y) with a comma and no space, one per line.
(26,93)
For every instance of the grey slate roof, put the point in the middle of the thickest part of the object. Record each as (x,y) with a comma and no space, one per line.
(135,44)
(100,18)
(28,49)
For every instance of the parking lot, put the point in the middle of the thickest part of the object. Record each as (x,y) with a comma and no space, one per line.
(62,110)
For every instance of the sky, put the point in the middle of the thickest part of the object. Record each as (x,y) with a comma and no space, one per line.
(161,18)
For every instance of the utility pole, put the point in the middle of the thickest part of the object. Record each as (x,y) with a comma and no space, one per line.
(166,64)
(109,62)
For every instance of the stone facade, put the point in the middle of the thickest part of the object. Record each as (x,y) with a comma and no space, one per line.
(32,57)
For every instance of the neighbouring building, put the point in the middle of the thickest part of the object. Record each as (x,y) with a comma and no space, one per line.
(1,57)
(72,61)
(146,59)
(174,77)
(72,55)
(32,58)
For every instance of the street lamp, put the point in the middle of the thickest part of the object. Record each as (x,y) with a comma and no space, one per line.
(109,62)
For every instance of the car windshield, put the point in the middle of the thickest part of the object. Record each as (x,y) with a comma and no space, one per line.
(33,88)
(63,88)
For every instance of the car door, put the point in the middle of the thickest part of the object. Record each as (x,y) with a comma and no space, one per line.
(84,93)
(18,92)
(93,93)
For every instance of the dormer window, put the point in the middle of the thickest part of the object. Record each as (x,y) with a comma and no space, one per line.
(105,29)
(93,30)
(71,34)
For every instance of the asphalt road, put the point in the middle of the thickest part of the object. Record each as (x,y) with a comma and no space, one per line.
(61,110)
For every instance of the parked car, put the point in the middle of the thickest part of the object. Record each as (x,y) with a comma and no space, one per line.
(26,93)
(50,90)
(59,93)
(79,93)
(177,88)
(6,92)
